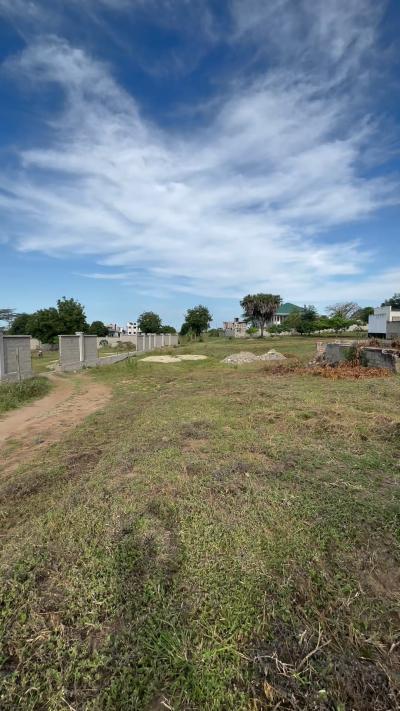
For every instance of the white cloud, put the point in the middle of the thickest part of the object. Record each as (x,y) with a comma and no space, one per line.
(242,203)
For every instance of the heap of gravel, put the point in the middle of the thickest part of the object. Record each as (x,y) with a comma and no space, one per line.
(272,355)
(241,357)
(247,357)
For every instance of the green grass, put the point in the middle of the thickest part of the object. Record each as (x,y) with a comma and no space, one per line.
(215,538)
(14,395)
(40,365)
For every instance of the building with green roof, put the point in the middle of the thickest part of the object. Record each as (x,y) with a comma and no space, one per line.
(283,312)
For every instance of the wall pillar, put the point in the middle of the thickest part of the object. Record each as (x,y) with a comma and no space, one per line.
(162,340)
(81,345)
(2,363)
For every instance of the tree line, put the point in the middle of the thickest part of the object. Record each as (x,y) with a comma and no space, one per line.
(258,310)
(47,324)
(197,320)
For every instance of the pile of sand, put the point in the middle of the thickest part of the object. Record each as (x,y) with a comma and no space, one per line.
(247,357)
(171,359)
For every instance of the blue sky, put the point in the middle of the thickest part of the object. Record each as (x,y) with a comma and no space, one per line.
(156,154)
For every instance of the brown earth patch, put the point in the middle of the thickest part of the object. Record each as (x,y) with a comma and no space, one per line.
(29,429)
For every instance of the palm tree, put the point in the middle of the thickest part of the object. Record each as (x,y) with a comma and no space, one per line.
(260,308)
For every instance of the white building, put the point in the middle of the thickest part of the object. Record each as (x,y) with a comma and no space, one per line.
(384,323)
(132,329)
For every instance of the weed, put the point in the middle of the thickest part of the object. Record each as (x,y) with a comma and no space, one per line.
(13,395)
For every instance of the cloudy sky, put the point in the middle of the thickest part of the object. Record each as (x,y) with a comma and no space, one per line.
(160,153)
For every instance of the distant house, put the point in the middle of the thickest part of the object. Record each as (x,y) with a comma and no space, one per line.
(114,330)
(283,312)
(384,323)
(132,329)
(235,328)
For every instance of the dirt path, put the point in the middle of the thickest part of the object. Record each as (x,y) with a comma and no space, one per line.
(25,431)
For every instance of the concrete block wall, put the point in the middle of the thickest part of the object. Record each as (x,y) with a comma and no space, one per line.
(114,341)
(77,351)
(393,330)
(142,341)
(337,352)
(381,358)
(371,357)
(69,352)
(15,358)
(90,349)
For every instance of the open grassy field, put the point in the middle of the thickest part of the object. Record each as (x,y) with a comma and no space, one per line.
(216,538)
(14,395)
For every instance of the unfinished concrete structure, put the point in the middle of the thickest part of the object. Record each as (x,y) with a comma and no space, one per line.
(370,356)
(15,358)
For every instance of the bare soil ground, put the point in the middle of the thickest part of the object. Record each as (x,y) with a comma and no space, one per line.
(25,431)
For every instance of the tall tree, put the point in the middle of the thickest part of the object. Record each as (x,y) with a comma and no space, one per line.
(394,302)
(98,328)
(149,322)
(7,315)
(197,320)
(259,309)
(345,309)
(309,313)
(21,325)
(71,316)
(45,325)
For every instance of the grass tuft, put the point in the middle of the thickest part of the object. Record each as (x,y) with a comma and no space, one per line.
(13,395)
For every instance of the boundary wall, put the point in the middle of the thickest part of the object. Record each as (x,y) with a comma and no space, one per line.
(15,358)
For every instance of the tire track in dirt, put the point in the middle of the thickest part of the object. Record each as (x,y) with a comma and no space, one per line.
(23,432)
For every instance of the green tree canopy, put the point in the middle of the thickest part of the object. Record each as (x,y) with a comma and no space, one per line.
(71,316)
(394,302)
(98,328)
(149,322)
(197,320)
(168,329)
(309,313)
(45,325)
(339,323)
(363,314)
(185,328)
(259,309)
(21,325)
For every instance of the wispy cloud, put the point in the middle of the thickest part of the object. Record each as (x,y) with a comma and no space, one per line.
(242,203)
